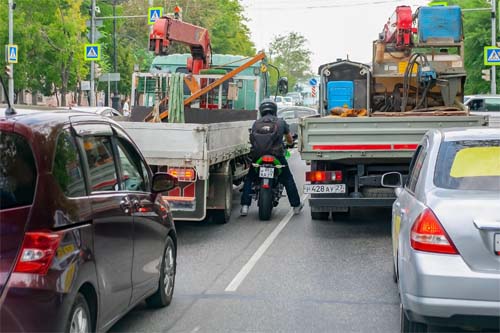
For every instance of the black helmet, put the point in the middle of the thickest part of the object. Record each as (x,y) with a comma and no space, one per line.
(268,106)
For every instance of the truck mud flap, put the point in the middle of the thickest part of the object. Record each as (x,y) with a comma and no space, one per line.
(200,203)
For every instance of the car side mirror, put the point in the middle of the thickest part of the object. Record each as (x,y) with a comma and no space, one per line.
(163,182)
(392,180)
(283,85)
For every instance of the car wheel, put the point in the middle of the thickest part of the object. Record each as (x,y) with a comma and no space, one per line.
(408,326)
(79,319)
(163,296)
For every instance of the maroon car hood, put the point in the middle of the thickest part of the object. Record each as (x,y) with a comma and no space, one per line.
(12,225)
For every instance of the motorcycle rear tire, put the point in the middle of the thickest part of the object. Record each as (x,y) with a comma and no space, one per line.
(265,203)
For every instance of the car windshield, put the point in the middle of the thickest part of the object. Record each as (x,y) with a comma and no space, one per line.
(17,171)
(468,165)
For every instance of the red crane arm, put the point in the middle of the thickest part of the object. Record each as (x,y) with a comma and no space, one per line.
(167,30)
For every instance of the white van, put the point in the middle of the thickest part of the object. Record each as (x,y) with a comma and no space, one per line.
(485,105)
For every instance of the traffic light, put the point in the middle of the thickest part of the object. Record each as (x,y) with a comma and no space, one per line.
(486,74)
(8,71)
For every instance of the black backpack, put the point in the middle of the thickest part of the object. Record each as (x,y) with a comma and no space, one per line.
(265,137)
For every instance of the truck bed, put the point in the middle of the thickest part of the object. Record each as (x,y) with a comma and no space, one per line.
(360,139)
(190,145)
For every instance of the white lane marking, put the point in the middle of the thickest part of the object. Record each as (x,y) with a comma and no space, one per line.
(242,274)
(196,329)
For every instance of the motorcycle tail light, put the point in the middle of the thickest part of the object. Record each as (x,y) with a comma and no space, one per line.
(268,159)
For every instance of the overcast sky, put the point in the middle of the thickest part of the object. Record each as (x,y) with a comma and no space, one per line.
(334,28)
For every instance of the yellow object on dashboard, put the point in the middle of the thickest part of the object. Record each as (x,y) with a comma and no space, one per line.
(476,162)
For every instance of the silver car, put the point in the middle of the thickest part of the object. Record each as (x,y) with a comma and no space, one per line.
(446,231)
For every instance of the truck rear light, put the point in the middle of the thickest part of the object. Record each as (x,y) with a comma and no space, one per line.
(428,235)
(323,176)
(37,252)
(183,174)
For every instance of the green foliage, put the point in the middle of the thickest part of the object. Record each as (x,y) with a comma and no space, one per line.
(290,54)
(477,33)
(51,35)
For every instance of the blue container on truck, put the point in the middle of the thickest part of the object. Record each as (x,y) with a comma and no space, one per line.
(340,94)
(440,23)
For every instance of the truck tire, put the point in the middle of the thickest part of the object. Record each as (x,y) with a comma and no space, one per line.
(322,216)
(222,216)
(341,215)
(265,203)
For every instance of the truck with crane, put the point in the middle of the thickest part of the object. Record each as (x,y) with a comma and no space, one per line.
(206,146)
(373,116)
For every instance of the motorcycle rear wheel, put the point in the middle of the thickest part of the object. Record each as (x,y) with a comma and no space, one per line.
(265,203)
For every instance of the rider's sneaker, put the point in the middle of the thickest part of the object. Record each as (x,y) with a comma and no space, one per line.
(244,210)
(298,209)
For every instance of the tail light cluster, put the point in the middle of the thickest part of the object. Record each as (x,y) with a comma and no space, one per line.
(268,159)
(183,174)
(324,176)
(37,252)
(428,235)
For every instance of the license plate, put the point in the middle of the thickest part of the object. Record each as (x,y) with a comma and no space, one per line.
(266,172)
(327,188)
(497,243)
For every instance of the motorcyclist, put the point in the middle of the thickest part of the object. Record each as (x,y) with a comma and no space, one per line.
(268,108)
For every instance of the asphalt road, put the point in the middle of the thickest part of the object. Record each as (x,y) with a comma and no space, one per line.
(287,274)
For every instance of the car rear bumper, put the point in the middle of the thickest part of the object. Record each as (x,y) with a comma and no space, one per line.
(443,286)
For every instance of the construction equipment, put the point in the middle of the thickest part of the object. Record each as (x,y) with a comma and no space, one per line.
(169,29)
(412,86)
(398,29)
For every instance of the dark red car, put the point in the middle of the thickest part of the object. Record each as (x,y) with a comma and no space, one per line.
(84,232)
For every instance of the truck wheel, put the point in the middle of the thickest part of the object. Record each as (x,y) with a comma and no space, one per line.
(265,203)
(222,216)
(341,215)
(323,216)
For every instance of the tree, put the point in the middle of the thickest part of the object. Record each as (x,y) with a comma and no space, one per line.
(49,34)
(291,55)
(477,35)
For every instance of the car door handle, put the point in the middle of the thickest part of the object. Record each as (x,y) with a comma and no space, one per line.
(125,205)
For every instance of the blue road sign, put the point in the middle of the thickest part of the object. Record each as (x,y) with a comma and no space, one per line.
(154,13)
(313,82)
(12,54)
(491,56)
(92,52)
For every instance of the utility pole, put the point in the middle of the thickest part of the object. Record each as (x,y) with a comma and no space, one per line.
(115,101)
(92,64)
(11,41)
(493,43)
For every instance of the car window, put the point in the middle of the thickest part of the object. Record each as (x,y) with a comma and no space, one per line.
(67,168)
(476,105)
(415,167)
(492,104)
(468,165)
(278,99)
(17,171)
(133,178)
(102,168)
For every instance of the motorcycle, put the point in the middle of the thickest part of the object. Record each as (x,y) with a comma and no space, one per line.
(267,190)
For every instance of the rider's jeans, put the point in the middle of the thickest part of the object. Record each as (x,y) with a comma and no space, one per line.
(285,178)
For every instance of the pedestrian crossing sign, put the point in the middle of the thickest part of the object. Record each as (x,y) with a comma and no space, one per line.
(491,56)
(11,52)
(92,52)
(154,13)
